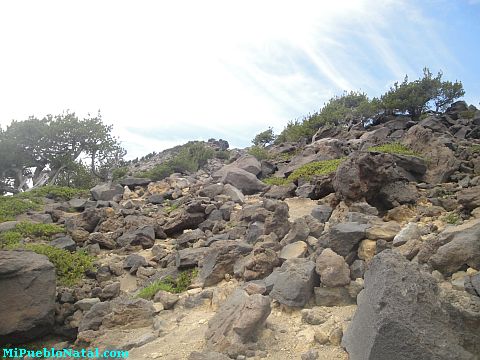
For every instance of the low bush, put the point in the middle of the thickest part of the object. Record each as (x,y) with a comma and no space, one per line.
(70,267)
(11,206)
(120,172)
(394,148)
(259,152)
(12,237)
(307,171)
(176,286)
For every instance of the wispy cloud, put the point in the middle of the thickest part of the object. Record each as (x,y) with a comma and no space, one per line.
(166,72)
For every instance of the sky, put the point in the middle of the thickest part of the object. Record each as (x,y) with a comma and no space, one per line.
(166,72)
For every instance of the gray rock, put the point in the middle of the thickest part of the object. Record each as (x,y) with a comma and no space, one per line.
(237,322)
(8,225)
(156,199)
(190,237)
(65,243)
(103,240)
(294,282)
(144,236)
(294,250)
(469,198)
(93,318)
(311,354)
(332,268)
(254,231)
(409,232)
(243,180)
(248,163)
(234,194)
(168,300)
(475,284)
(133,262)
(343,237)
(357,269)
(110,291)
(183,221)
(187,258)
(322,213)
(86,304)
(220,258)
(77,204)
(298,232)
(281,192)
(28,296)
(211,191)
(461,247)
(427,323)
(105,192)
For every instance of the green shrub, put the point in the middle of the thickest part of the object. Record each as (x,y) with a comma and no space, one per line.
(69,267)
(475,148)
(120,172)
(394,148)
(259,152)
(222,154)
(189,158)
(176,286)
(264,138)
(307,171)
(11,206)
(275,181)
(58,193)
(34,230)
(452,218)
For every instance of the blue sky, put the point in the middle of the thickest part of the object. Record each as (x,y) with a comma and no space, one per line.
(164,73)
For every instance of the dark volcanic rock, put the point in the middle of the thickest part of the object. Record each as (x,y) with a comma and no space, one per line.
(403,314)
(469,198)
(243,180)
(27,306)
(343,237)
(131,182)
(183,221)
(105,192)
(294,282)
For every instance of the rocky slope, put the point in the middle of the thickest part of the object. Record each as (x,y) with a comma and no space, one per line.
(377,258)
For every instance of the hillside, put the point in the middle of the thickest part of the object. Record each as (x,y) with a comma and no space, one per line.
(359,242)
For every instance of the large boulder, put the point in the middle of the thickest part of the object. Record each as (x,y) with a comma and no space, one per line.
(182,221)
(27,304)
(403,314)
(243,180)
(105,192)
(469,198)
(441,159)
(368,176)
(461,246)
(220,258)
(343,237)
(294,282)
(236,324)
(131,182)
(333,269)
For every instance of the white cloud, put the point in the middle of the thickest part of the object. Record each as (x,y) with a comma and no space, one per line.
(231,69)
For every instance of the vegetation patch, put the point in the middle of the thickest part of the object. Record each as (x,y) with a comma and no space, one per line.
(259,152)
(27,229)
(452,218)
(307,171)
(120,172)
(394,148)
(69,267)
(11,206)
(475,148)
(189,158)
(175,286)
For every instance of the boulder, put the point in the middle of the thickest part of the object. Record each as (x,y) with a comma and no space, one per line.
(281,192)
(343,237)
(332,268)
(248,163)
(105,192)
(220,258)
(409,232)
(243,180)
(294,250)
(144,236)
(133,261)
(469,198)
(211,191)
(442,161)
(294,282)
(364,175)
(258,264)
(190,257)
(403,314)
(182,221)
(237,322)
(298,232)
(322,213)
(27,306)
(233,193)
(64,243)
(461,247)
